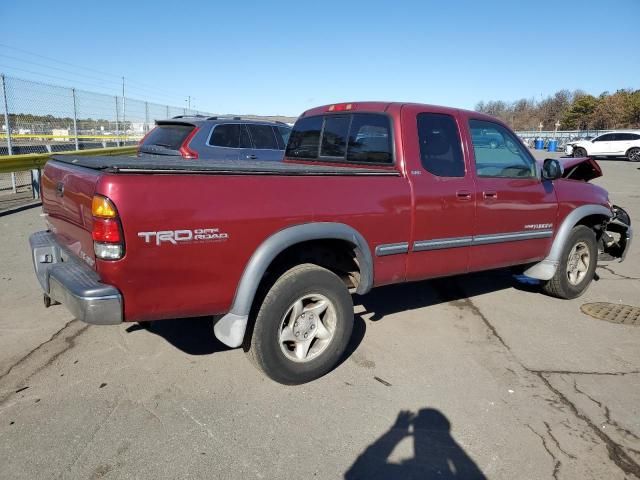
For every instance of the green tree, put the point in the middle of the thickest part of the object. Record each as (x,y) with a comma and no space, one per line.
(579,115)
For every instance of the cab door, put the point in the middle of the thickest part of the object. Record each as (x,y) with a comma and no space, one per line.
(602,145)
(443,189)
(515,210)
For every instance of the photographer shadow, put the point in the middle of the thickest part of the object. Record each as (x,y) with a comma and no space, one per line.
(436,454)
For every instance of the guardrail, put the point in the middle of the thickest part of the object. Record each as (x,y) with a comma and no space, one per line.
(66,137)
(31,161)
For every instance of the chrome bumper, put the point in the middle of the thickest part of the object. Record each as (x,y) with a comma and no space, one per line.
(68,280)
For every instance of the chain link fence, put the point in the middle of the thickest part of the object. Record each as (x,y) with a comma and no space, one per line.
(41,118)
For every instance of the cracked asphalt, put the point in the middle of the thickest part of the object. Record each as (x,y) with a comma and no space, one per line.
(467,377)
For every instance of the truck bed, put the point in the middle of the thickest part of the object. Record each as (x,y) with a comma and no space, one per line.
(168,164)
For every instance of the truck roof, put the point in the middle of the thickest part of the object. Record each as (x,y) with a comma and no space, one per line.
(377,106)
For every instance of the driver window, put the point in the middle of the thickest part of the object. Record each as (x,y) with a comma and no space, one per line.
(498,153)
(604,138)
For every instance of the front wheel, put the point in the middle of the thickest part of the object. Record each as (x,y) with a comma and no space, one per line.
(579,152)
(577,265)
(303,325)
(634,154)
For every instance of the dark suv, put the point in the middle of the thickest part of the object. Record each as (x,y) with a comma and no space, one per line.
(217,138)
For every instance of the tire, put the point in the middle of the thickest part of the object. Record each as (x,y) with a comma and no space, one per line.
(577,265)
(633,154)
(291,310)
(579,152)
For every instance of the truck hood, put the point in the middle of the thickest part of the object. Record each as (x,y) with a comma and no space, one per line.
(583,168)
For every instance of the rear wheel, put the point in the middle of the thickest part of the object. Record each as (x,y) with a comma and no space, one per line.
(303,325)
(579,152)
(577,265)
(634,154)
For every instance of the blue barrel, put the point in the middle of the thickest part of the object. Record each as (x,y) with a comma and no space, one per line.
(553,145)
(539,144)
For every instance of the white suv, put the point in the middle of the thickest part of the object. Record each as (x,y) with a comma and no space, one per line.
(611,144)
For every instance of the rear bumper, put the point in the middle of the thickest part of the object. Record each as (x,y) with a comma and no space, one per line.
(68,280)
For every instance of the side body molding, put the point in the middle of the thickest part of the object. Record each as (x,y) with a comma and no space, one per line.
(546,269)
(231,327)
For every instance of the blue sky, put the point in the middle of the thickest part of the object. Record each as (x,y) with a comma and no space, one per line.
(284,57)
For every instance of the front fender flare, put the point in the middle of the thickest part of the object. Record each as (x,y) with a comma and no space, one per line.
(546,269)
(230,329)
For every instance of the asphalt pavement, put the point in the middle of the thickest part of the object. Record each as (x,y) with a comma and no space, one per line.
(468,377)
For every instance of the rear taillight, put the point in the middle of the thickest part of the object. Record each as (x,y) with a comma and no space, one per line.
(108,240)
(184,149)
(105,230)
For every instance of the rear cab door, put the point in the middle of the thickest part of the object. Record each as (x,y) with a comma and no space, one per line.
(624,141)
(515,210)
(443,189)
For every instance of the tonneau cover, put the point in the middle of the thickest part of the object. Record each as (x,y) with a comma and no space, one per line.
(166,164)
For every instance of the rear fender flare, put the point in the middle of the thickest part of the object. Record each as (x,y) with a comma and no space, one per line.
(230,329)
(546,269)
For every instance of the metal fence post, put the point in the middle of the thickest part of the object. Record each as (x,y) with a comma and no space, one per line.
(124,111)
(8,127)
(35,183)
(6,113)
(75,118)
(117,126)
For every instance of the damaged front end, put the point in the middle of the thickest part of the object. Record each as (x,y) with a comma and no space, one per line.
(616,238)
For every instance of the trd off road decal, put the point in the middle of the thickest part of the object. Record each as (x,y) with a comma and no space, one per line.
(538,226)
(184,236)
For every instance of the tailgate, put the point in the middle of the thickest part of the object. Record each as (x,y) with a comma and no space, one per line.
(67,192)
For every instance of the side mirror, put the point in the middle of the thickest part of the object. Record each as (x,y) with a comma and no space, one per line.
(551,169)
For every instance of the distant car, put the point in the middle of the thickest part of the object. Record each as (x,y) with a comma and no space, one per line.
(217,138)
(610,144)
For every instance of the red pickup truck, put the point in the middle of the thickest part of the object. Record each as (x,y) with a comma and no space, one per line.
(368,194)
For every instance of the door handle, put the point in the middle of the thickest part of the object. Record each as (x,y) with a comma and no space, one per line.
(490,195)
(463,195)
(252,157)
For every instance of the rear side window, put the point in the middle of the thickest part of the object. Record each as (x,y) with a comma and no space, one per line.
(370,139)
(263,137)
(627,136)
(357,137)
(440,149)
(232,135)
(168,136)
